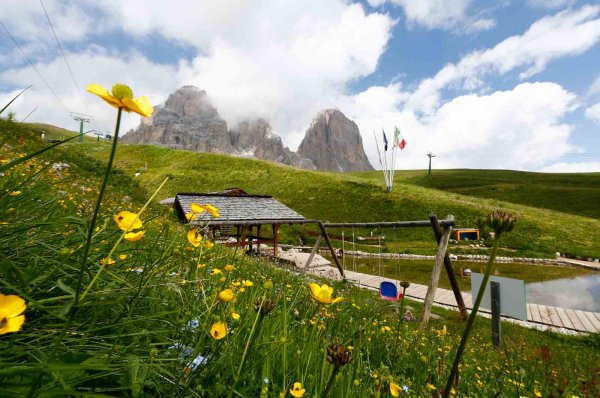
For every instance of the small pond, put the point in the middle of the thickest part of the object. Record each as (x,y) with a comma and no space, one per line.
(580,293)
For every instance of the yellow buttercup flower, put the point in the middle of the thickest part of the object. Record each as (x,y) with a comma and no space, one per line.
(212,210)
(395,389)
(247,283)
(11,307)
(218,330)
(107,261)
(216,271)
(235,316)
(226,295)
(197,208)
(14,193)
(194,237)
(323,294)
(122,97)
(191,217)
(229,268)
(123,256)
(208,244)
(127,221)
(430,386)
(134,236)
(297,391)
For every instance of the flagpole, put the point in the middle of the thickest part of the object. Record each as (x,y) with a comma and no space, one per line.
(379,155)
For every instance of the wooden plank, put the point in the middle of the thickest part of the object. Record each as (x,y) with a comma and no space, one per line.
(564,318)
(544,315)
(587,325)
(418,291)
(445,297)
(528,312)
(435,275)
(575,320)
(594,321)
(535,312)
(554,316)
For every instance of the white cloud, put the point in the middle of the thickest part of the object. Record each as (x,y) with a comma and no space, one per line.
(145,78)
(582,167)
(516,129)
(443,14)
(567,33)
(282,61)
(595,87)
(550,4)
(593,112)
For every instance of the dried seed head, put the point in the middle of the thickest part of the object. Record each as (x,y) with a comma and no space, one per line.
(266,307)
(405,284)
(500,221)
(338,355)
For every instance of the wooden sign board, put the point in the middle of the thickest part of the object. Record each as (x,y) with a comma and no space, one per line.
(512,295)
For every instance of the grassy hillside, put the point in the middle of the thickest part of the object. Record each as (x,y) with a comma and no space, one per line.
(573,193)
(159,314)
(55,133)
(343,197)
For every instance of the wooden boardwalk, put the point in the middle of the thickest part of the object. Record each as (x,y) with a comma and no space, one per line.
(580,321)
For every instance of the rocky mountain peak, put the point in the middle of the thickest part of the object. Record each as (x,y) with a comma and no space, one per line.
(333,142)
(188,120)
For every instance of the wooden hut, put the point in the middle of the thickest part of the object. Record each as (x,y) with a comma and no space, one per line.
(242,216)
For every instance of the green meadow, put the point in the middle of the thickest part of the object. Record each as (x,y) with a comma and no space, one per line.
(168,316)
(361,197)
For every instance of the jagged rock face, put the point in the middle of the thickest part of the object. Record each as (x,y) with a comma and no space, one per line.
(186,121)
(333,142)
(256,138)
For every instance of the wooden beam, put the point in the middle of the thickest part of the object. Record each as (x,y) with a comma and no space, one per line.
(312,253)
(437,231)
(435,274)
(337,262)
(275,238)
(401,224)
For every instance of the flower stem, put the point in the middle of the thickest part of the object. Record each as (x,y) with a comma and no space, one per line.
(258,318)
(88,242)
(336,369)
(472,316)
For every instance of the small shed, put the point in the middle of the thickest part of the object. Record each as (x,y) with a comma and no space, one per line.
(242,216)
(466,233)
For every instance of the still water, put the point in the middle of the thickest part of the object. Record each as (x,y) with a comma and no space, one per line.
(580,293)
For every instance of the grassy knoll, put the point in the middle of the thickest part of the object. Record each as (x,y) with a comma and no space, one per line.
(166,318)
(573,193)
(343,197)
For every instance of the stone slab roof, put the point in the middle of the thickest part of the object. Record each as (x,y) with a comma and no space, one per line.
(245,208)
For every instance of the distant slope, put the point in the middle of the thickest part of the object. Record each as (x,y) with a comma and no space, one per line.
(344,197)
(55,133)
(574,193)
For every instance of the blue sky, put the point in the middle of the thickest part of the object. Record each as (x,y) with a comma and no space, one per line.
(483,84)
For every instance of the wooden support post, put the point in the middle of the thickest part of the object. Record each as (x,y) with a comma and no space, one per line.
(337,262)
(448,266)
(258,239)
(496,326)
(250,237)
(312,253)
(435,274)
(275,238)
(243,243)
